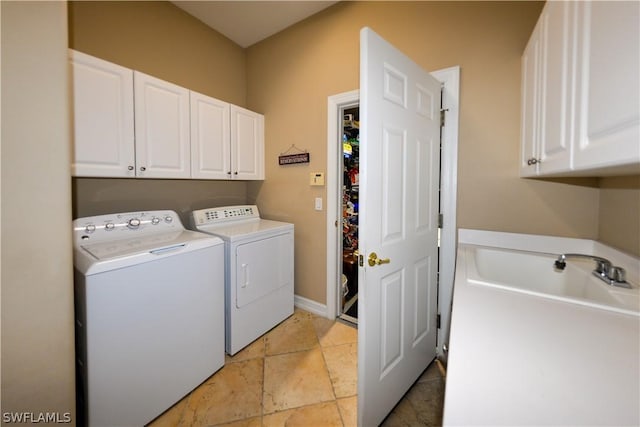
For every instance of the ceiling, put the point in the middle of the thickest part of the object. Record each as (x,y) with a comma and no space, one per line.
(248,22)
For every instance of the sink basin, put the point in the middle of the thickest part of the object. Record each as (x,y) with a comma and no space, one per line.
(534,273)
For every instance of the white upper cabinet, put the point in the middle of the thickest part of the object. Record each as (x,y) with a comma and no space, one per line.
(580,91)
(227,141)
(608,85)
(210,138)
(162,128)
(247,144)
(130,124)
(103,117)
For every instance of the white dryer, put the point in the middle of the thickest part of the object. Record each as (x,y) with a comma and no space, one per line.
(258,273)
(149,301)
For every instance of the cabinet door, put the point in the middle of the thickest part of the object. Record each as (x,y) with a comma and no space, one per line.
(247,144)
(162,128)
(103,117)
(557,27)
(530,105)
(608,85)
(210,150)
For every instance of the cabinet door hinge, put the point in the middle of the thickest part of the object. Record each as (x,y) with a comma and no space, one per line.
(440,220)
(438,322)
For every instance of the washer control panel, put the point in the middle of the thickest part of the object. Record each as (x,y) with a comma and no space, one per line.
(225,214)
(115,226)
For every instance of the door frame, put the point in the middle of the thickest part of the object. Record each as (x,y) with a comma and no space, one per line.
(450,77)
(334,212)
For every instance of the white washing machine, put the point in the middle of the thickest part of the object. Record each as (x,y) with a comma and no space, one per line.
(258,273)
(149,300)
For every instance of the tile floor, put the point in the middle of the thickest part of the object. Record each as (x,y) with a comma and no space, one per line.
(301,373)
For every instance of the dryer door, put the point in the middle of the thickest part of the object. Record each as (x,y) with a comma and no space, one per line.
(263,266)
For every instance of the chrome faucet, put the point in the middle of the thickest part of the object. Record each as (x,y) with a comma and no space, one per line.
(605,271)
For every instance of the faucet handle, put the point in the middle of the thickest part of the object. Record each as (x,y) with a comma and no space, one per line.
(617,274)
(603,267)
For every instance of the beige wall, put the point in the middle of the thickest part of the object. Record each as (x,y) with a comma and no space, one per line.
(291,75)
(37,281)
(619,224)
(159,39)
(93,196)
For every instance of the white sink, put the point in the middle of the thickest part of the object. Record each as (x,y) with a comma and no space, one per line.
(533,273)
(530,345)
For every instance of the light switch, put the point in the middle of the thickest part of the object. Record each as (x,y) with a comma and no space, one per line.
(316,178)
(318,203)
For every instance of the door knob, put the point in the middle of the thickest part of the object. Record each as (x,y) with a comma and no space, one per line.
(374,260)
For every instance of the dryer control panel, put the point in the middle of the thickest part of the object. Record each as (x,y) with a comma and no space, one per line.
(221,215)
(116,226)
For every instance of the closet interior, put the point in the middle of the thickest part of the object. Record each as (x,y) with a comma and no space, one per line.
(350,189)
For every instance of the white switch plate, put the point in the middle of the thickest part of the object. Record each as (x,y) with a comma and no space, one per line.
(318,203)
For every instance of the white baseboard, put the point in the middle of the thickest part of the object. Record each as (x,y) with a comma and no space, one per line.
(310,306)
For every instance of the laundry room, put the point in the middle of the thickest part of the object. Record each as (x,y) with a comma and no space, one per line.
(281,86)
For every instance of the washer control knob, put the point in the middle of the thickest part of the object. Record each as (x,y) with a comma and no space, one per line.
(90,228)
(155,220)
(168,219)
(133,223)
(109,226)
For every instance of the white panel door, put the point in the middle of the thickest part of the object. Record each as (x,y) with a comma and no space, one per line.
(247,144)
(399,179)
(103,117)
(210,151)
(608,85)
(529,138)
(162,128)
